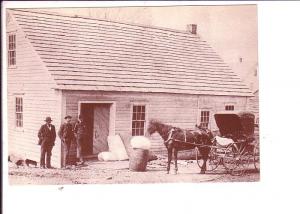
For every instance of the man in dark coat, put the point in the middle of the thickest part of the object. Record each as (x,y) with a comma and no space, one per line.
(66,135)
(47,136)
(80,131)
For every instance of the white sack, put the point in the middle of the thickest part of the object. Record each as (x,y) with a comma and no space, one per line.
(140,142)
(224,141)
(117,147)
(107,156)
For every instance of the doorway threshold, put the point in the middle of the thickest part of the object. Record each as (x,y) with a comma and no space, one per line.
(90,157)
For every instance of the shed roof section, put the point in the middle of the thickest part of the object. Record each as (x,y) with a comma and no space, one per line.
(89,54)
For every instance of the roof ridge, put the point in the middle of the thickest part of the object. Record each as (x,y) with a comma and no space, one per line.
(104,20)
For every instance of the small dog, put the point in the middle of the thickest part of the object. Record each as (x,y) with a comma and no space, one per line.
(22,162)
(26,162)
(29,162)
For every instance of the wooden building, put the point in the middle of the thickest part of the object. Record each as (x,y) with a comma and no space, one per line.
(118,75)
(253,105)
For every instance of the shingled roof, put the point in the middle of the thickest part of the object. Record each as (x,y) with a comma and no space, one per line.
(93,54)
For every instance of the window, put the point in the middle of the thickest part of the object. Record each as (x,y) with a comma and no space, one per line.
(19,112)
(204,119)
(11,49)
(229,107)
(138,120)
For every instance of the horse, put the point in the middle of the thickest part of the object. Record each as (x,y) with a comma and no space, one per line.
(176,139)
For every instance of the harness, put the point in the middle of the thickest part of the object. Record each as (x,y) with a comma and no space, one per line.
(170,135)
(170,138)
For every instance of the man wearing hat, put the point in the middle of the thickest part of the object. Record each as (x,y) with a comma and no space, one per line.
(47,136)
(66,135)
(80,131)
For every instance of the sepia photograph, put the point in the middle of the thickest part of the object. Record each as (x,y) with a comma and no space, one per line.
(119,95)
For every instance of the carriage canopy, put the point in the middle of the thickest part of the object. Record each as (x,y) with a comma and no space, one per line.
(235,123)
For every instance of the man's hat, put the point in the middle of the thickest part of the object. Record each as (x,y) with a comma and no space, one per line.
(68,116)
(48,119)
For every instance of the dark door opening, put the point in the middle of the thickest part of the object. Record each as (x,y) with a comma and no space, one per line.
(87,111)
(97,121)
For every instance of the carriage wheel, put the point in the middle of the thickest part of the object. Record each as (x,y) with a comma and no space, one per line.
(242,164)
(256,157)
(230,158)
(213,160)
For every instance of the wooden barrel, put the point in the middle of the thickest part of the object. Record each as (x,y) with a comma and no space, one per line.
(138,160)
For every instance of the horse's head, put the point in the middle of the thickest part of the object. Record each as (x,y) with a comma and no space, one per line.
(153,126)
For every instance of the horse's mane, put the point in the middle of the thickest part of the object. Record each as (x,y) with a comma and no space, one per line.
(161,127)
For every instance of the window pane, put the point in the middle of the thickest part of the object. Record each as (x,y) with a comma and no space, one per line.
(143,116)
(14,41)
(133,116)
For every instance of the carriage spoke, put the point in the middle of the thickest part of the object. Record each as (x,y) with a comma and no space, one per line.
(256,157)
(213,160)
(230,158)
(242,164)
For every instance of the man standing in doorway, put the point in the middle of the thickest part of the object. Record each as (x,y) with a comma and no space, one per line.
(66,135)
(47,136)
(80,131)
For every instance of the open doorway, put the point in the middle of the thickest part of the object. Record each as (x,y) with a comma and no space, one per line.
(99,118)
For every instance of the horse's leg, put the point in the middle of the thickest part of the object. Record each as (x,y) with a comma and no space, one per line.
(169,159)
(175,157)
(203,168)
(204,157)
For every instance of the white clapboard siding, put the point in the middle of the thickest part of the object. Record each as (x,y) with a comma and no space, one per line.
(30,80)
(177,110)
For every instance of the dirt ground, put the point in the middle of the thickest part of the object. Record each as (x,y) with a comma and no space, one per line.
(117,172)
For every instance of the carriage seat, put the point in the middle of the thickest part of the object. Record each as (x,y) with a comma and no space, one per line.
(223,141)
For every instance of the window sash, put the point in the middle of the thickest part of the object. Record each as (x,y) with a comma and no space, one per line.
(138,120)
(204,119)
(12,49)
(19,112)
(229,107)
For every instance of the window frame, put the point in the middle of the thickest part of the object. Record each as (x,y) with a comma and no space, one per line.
(205,116)
(145,120)
(229,105)
(12,49)
(16,112)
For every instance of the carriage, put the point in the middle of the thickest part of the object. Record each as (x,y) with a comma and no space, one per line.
(236,146)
